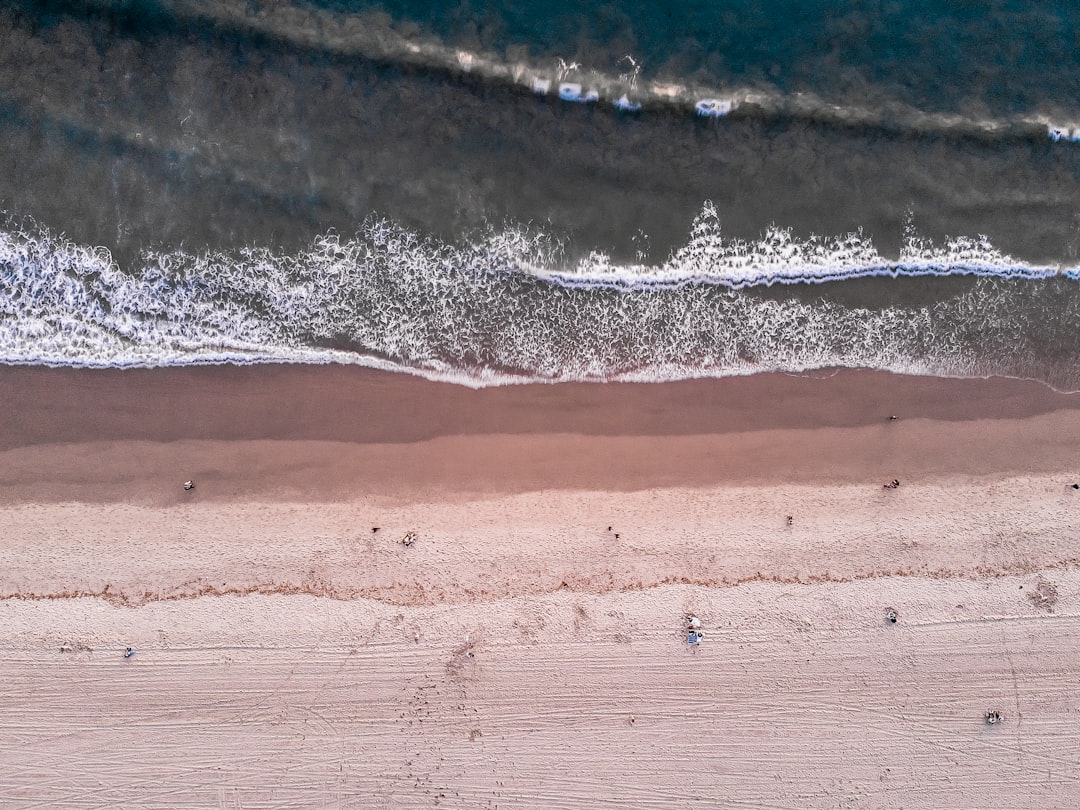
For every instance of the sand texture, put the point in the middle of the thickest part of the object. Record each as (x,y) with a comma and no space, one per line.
(527,650)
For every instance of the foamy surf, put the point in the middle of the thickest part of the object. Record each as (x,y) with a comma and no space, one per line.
(505,308)
(780,257)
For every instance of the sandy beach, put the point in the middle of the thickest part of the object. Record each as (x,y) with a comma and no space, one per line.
(527,650)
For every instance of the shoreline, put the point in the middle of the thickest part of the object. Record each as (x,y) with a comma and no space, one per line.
(331,434)
(357,404)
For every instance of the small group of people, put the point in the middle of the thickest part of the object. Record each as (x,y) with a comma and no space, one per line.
(693,630)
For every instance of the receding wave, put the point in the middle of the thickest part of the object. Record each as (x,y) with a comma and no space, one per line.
(504,307)
(373,37)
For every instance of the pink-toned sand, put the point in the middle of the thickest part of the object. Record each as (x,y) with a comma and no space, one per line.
(520,653)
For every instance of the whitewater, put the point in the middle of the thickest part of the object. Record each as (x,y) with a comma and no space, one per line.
(506,306)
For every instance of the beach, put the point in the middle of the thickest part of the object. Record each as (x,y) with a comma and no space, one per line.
(389,392)
(528,649)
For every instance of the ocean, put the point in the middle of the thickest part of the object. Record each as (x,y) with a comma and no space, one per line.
(519,192)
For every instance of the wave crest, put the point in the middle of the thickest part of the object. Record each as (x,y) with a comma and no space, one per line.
(780,257)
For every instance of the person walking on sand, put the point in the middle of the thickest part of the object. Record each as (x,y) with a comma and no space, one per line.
(189,485)
(128,652)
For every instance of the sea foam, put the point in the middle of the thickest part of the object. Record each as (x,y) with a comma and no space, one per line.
(507,307)
(780,257)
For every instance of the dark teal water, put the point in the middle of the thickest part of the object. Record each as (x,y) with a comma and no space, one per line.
(482,232)
(1009,57)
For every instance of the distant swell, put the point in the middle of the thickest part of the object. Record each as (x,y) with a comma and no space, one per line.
(373,38)
(504,307)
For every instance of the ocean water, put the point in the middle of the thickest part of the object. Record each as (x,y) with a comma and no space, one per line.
(536,192)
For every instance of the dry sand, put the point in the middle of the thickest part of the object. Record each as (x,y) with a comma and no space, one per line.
(520,653)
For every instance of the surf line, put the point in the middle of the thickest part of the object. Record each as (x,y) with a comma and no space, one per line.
(704,105)
(577,93)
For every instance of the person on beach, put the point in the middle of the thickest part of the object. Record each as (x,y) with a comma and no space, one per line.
(128,652)
(892,484)
(189,485)
(693,630)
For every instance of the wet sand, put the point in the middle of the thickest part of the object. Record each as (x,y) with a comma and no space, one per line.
(329,433)
(290,655)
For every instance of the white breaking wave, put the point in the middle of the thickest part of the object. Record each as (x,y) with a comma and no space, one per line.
(782,258)
(504,308)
